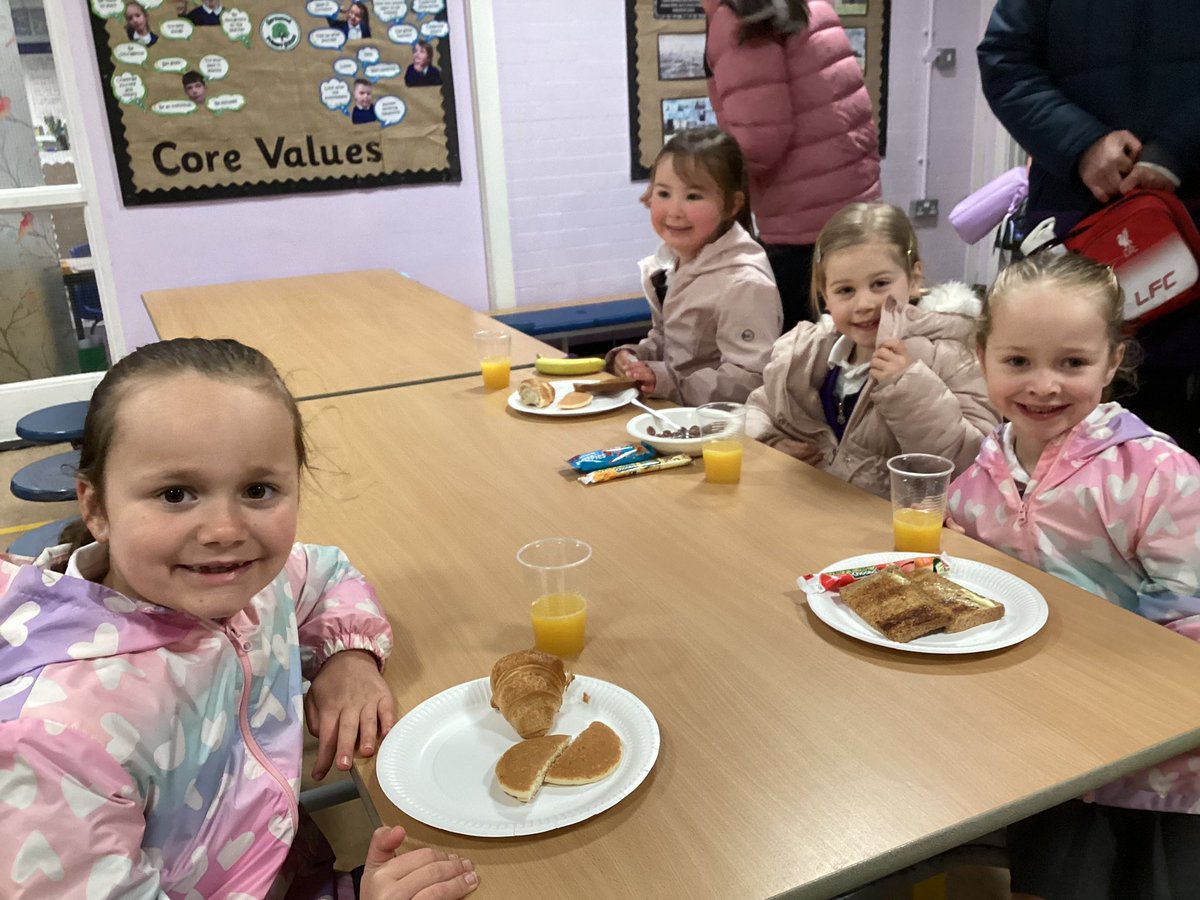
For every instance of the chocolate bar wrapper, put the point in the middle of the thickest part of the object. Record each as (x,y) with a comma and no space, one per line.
(594,460)
(838,578)
(637,468)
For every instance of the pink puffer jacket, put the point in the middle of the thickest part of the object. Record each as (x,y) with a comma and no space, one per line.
(802,116)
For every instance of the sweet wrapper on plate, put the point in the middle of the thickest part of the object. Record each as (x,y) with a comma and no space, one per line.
(637,468)
(833,581)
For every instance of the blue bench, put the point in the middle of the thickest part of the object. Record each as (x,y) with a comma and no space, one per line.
(47,480)
(54,424)
(603,318)
(34,541)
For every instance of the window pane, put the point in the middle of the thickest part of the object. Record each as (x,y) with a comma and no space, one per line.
(50,320)
(33,127)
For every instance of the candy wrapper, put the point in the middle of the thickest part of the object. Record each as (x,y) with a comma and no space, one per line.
(637,468)
(594,460)
(838,578)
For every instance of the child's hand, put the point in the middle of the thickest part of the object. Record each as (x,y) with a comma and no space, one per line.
(429,873)
(347,706)
(954,526)
(621,362)
(802,450)
(890,359)
(643,375)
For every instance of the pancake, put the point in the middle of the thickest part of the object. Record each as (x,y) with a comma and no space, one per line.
(575,400)
(592,756)
(523,766)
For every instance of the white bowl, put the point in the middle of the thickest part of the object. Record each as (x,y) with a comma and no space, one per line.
(683,416)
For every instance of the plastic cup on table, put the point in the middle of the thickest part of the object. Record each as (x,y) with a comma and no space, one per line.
(722,433)
(494,358)
(919,485)
(556,571)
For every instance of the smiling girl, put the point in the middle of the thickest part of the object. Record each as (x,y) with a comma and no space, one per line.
(1087,491)
(151,696)
(714,308)
(877,376)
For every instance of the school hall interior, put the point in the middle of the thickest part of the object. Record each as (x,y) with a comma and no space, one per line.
(545,213)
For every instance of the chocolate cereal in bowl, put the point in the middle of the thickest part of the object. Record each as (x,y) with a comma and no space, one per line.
(662,437)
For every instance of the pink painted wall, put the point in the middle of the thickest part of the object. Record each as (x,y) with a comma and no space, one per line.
(183,245)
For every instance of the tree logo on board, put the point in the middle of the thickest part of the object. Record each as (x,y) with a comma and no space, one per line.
(280,31)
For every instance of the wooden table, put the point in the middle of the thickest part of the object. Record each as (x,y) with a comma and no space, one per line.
(337,333)
(794,760)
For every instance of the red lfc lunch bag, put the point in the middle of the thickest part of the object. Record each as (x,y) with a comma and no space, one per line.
(1153,246)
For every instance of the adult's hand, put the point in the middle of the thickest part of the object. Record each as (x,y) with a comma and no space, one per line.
(1143,176)
(1105,163)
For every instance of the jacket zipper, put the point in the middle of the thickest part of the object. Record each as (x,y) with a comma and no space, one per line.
(240,647)
(841,411)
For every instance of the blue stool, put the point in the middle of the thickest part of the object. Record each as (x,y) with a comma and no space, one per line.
(54,424)
(31,543)
(603,319)
(47,480)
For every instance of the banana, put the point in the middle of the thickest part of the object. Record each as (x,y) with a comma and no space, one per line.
(583,365)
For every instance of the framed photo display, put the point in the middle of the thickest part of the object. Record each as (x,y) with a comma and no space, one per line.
(665,41)
(209,100)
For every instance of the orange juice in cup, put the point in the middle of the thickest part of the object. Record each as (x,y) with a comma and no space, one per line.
(495,372)
(917,530)
(559,623)
(722,430)
(556,572)
(919,485)
(494,349)
(722,461)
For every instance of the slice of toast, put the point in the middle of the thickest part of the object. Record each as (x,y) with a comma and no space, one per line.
(522,769)
(890,603)
(968,609)
(592,756)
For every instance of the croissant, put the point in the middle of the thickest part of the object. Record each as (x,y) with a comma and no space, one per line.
(527,688)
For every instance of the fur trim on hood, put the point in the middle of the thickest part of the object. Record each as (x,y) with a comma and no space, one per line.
(951,297)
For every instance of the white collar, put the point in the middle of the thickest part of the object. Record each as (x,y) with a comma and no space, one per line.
(89,562)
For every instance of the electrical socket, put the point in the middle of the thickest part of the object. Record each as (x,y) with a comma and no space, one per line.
(923,209)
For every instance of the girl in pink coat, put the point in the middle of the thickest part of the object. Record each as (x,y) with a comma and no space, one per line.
(152,695)
(714,308)
(784,82)
(1088,492)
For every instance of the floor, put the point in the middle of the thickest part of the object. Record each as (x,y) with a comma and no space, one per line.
(347,825)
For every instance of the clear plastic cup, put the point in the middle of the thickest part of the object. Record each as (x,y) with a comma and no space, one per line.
(722,434)
(556,572)
(495,358)
(919,485)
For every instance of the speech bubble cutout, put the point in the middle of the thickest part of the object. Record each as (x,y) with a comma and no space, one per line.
(151,4)
(237,25)
(177,29)
(174,64)
(368,55)
(327,39)
(224,103)
(403,34)
(108,9)
(335,94)
(381,70)
(132,54)
(129,89)
(346,66)
(173,107)
(437,29)
(214,67)
(390,111)
(390,10)
(322,9)
(428,7)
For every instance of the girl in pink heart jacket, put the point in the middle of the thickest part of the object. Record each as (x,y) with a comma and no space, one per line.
(152,694)
(1088,492)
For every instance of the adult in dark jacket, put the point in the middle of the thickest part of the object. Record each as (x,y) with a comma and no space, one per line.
(1103,94)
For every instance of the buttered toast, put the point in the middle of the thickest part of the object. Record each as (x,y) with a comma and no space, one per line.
(904,607)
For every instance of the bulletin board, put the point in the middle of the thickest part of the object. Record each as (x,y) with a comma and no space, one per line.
(207,100)
(665,42)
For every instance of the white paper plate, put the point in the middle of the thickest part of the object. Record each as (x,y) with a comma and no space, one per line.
(1025,608)
(600,402)
(438,763)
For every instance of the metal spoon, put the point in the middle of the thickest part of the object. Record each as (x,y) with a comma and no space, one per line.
(657,415)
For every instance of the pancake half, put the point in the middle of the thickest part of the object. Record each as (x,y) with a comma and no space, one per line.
(522,768)
(575,400)
(594,755)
